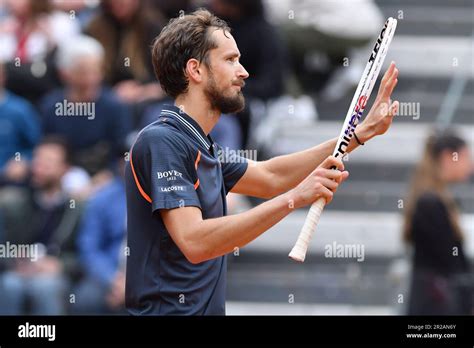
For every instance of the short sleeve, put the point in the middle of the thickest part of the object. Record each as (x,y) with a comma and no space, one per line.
(169,167)
(233,167)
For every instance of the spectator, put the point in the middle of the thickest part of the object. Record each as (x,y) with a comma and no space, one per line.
(101,250)
(262,54)
(175,8)
(126,29)
(83,10)
(19,132)
(29,35)
(319,37)
(45,216)
(432,227)
(91,117)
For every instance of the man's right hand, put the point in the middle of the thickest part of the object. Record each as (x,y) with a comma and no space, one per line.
(202,239)
(322,182)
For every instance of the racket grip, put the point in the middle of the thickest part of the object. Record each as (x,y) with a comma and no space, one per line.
(298,253)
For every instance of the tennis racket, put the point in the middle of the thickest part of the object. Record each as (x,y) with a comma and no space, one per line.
(354,114)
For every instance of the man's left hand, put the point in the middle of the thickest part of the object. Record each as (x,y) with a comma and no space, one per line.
(383,110)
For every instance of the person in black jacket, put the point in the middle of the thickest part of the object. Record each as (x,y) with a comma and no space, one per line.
(126,30)
(432,227)
(262,49)
(40,221)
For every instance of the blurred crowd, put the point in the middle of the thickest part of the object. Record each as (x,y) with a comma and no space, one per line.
(77,84)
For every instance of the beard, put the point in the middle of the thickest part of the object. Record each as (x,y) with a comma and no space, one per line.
(225,104)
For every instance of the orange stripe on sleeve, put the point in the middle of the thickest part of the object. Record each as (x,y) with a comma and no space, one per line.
(137,183)
(198,158)
(196,163)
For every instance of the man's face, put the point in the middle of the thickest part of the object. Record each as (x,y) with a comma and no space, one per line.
(123,10)
(225,75)
(48,166)
(86,74)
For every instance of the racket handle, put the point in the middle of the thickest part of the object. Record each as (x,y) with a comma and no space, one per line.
(298,253)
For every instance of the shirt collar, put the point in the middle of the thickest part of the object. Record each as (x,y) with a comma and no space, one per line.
(188,123)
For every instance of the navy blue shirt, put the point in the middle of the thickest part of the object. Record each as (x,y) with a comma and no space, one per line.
(19,127)
(102,232)
(108,121)
(174,164)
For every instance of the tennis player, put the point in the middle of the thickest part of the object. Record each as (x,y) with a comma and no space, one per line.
(177,179)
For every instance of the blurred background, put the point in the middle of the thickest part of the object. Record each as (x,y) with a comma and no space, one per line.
(77,84)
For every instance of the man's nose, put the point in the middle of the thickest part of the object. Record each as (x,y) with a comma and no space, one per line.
(243,74)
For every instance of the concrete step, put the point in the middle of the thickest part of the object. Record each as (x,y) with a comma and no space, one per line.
(375,274)
(402,144)
(444,18)
(442,4)
(435,56)
(333,282)
(380,196)
(378,172)
(380,233)
(272,308)
(385,196)
(421,99)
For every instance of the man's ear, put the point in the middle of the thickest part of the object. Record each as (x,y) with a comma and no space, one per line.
(194,70)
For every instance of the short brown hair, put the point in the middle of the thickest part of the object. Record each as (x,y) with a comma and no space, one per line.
(184,37)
